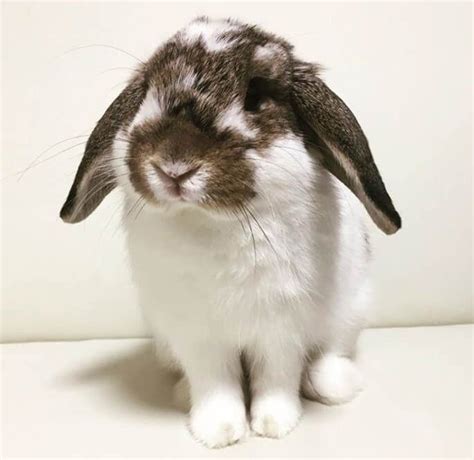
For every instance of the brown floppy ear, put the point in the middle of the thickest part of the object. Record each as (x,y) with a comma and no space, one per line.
(95,178)
(330,125)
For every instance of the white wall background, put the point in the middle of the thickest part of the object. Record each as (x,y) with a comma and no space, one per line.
(404,69)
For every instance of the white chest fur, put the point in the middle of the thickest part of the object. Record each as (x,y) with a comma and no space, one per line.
(197,275)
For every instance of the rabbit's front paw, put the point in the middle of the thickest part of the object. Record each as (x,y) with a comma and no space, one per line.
(219,421)
(274,416)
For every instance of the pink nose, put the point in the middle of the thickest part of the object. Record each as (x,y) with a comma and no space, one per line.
(173,176)
(177,176)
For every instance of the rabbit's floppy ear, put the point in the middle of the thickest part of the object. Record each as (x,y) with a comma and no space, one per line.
(95,177)
(331,126)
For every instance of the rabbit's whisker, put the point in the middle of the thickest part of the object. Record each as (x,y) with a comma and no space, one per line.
(102,45)
(243,211)
(252,215)
(44,160)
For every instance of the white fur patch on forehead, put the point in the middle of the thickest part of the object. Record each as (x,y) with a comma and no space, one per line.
(233,118)
(155,103)
(150,109)
(184,81)
(210,33)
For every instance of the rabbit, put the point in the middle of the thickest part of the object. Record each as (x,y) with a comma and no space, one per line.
(250,253)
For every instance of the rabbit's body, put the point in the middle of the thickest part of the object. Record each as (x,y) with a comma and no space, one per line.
(298,262)
(247,243)
(212,285)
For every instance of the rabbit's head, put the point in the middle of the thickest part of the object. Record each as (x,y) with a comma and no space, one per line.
(194,127)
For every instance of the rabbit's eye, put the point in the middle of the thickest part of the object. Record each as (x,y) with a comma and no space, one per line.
(256,94)
(189,111)
(182,110)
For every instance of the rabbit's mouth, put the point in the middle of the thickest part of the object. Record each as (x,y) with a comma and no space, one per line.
(177,181)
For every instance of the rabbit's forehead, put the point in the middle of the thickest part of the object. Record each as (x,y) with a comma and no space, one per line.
(214,36)
(219,56)
(210,63)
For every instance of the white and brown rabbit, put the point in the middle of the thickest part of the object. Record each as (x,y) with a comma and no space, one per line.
(251,247)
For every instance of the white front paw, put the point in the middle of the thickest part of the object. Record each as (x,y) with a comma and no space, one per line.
(274,416)
(332,379)
(219,421)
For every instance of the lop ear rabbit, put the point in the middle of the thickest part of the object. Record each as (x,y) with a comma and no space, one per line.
(251,243)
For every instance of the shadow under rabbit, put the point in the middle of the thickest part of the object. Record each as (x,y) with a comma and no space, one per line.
(134,375)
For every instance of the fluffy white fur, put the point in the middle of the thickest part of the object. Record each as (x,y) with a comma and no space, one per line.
(214,288)
(209,32)
(332,379)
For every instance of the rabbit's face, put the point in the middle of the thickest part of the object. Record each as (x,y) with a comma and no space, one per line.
(219,116)
(216,102)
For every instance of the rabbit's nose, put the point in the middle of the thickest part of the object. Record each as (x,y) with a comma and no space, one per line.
(176,173)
